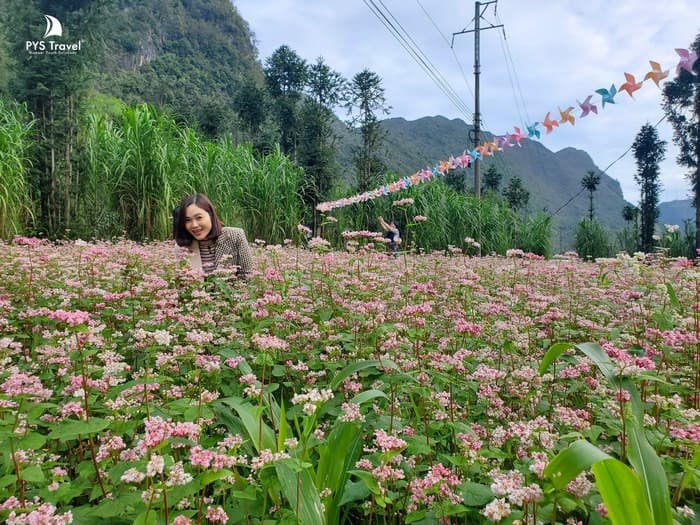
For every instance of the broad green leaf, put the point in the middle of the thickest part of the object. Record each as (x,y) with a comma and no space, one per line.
(368,480)
(356,367)
(282,428)
(571,461)
(147,517)
(299,489)
(261,435)
(33,441)
(354,491)
(652,475)
(210,476)
(368,395)
(336,456)
(7,480)
(74,429)
(33,474)
(672,297)
(552,355)
(475,494)
(622,493)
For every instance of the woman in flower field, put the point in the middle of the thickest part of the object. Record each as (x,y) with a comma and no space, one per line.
(392,233)
(211,244)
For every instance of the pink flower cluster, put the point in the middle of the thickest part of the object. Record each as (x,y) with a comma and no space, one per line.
(438,484)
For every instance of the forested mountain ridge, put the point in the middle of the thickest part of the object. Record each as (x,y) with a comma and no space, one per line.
(191,56)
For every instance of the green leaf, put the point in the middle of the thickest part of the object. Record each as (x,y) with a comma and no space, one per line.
(210,476)
(476,494)
(33,474)
(368,395)
(333,466)
(261,435)
(672,297)
(33,441)
(354,491)
(622,493)
(652,474)
(7,480)
(571,461)
(299,489)
(552,355)
(356,367)
(368,479)
(147,517)
(73,429)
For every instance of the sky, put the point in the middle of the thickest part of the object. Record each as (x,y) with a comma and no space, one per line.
(548,55)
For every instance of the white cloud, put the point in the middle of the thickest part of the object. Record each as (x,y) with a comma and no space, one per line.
(557,52)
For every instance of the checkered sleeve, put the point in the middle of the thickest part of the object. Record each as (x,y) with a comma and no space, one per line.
(237,251)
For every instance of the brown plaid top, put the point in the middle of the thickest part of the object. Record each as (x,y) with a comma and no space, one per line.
(231,249)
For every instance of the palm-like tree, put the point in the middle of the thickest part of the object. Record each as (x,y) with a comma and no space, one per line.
(590,183)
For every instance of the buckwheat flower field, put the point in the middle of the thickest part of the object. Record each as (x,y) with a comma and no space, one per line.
(346,388)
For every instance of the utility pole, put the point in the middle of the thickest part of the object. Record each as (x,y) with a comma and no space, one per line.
(476,134)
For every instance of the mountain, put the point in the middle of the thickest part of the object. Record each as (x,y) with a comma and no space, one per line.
(552,178)
(677,212)
(191,56)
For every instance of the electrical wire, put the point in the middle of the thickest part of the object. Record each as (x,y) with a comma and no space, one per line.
(417,54)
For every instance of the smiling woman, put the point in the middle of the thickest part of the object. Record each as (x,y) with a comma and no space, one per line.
(211,245)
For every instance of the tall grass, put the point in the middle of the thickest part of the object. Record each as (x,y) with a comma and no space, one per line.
(452,217)
(15,142)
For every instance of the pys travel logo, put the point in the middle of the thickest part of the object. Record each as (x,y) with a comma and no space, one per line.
(54,29)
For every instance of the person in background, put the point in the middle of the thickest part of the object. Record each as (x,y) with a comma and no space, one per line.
(211,245)
(392,233)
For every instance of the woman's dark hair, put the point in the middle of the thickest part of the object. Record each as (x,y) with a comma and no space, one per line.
(180,233)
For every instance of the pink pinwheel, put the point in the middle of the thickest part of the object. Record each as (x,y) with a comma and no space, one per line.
(549,124)
(425,174)
(687,60)
(566,116)
(587,107)
(463,160)
(517,136)
(503,141)
(631,85)
(656,74)
(608,95)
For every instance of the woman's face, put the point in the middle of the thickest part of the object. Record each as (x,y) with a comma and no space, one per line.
(197,222)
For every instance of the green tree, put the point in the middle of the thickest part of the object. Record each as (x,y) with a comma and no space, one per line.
(286,75)
(54,86)
(365,95)
(250,102)
(492,179)
(515,194)
(649,151)
(316,150)
(682,108)
(590,183)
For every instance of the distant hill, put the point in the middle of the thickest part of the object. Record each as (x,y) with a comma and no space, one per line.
(553,179)
(676,212)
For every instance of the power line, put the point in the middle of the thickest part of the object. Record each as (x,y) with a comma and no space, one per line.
(454,55)
(416,53)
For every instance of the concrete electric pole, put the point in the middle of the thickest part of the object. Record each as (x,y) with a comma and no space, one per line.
(476,134)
